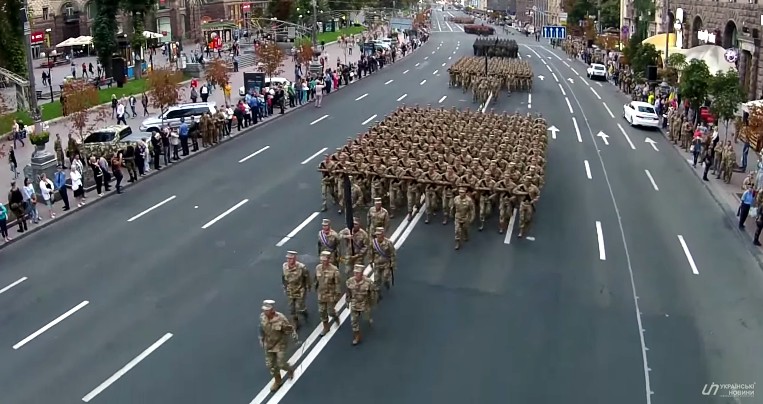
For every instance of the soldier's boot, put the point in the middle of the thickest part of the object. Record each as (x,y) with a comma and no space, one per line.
(444,219)
(295,319)
(426,218)
(356,337)
(409,217)
(276,382)
(502,227)
(458,245)
(482,225)
(324,207)
(335,318)
(391,213)
(521,231)
(326,328)
(290,373)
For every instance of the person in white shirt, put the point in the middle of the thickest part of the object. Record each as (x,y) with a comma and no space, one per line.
(319,92)
(47,190)
(79,190)
(121,113)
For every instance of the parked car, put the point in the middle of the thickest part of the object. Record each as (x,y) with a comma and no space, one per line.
(106,141)
(171,117)
(639,113)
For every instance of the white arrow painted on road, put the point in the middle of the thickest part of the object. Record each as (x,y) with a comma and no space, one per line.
(541,78)
(651,142)
(554,130)
(570,80)
(549,57)
(604,137)
(528,56)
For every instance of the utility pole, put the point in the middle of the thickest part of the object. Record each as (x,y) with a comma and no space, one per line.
(314,35)
(32,94)
(666,20)
(598,17)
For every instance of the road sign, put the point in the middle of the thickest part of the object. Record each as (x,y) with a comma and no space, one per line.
(554,32)
(563,19)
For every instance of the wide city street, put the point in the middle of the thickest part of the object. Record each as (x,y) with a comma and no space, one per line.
(620,294)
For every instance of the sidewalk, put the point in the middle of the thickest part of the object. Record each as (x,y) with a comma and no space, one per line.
(24,156)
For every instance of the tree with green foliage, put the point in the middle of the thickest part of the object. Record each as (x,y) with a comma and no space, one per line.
(640,56)
(12,53)
(105,32)
(695,84)
(138,9)
(643,14)
(610,13)
(282,9)
(727,94)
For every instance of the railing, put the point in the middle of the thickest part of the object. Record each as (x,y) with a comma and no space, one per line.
(13,77)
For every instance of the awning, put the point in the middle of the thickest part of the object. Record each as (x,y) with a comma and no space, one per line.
(82,41)
(659,41)
(152,35)
(66,43)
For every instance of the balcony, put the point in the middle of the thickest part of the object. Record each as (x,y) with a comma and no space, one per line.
(71,17)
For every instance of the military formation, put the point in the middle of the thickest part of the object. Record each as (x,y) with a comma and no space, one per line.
(496,47)
(510,74)
(461,20)
(681,131)
(463,164)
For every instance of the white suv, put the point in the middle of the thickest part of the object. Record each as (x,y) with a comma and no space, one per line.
(597,71)
(171,117)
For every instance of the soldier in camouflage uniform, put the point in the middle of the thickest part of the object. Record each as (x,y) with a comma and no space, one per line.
(275,331)
(296,284)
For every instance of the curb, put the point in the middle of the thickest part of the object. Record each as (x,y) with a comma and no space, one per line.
(154,173)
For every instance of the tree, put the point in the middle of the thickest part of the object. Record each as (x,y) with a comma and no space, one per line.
(138,9)
(79,97)
(12,53)
(281,9)
(640,56)
(271,56)
(610,13)
(643,14)
(164,87)
(105,32)
(727,95)
(217,72)
(304,52)
(695,84)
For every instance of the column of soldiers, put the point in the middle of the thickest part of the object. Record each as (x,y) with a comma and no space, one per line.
(511,74)
(721,157)
(465,165)
(461,20)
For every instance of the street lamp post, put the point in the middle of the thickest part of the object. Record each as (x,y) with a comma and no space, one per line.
(33,108)
(666,20)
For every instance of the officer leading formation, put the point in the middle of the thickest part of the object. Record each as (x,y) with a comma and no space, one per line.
(466,165)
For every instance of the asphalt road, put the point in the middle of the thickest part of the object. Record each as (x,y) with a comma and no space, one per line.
(548,320)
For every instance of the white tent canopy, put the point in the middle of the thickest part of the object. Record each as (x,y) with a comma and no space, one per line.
(79,41)
(713,55)
(152,35)
(66,43)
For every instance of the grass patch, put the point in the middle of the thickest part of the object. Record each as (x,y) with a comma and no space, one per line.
(327,37)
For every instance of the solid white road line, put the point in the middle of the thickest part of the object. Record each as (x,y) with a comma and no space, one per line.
(319,119)
(121,372)
(688,255)
(568,104)
(51,324)
(371,118)
(307,160)
(600,239)
(297,229)
(9,287)
(587,169)
(422,82)
(226,213)
(608,110)
(406,71)
(651,179)
(388,81)
(529,100)
(139,215)
(442,99)
(361,97)
(577,129)
(510,228)
(626,136)
(255,153)
(564,93)
(402,97)
(555,78)
(595,93)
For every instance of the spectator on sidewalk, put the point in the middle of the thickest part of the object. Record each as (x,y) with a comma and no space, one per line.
(319,86)
(121,113)
(133,103)
(4,223)
(175,143)
(18,132)
(156,149)
(183,132)
(104,164)
(141,157)
(13,163)
(16,203)
(744,206)
(758,226)
(144,102)
(116,169)
(30,201)
(59,149)
(114,103)
(696,147)
(48,191)
(97,176)
(59,182)
(77,186)
(129,162)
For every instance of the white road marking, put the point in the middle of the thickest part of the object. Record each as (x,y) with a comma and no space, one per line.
(454,52)
(442,99)
(402,232)
(402,97)
(510,228)
(121,372)
(388,81)
(297,229)
(361,97)
(549,68)
(319,119)
(599,84)
(600,239)
(433,52)
(50,325)
(307,160)
(564,93)
(139,215)
(406,71)
(568,104)
(449,57)
(566,64)
(544,62)
(555,78)
(626,136)
(651,179)
(416,65)
(587,169)
(371,118)
(577,129)
(595,93)
(530,238)
(608,110)
(426,57)
(226,213)
(529,100)
(443,65)
(255,153)
(688,254)
(9,287)
(435,72)
(422,82)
